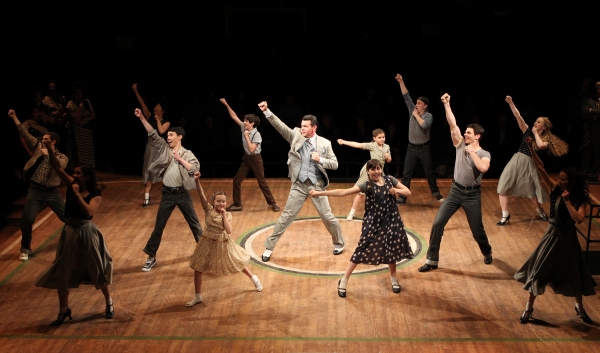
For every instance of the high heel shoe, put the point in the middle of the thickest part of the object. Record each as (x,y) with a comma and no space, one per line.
(504,221)
(543,215)
(341,291)
(583,315)
(110,311)
(146,203)
(61,318)
(527,314)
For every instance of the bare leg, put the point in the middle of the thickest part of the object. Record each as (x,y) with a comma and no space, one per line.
(247,272)
(392,270)
(63,299)
(198,288)
(110,311)
(528,309)
(105,290)
(147,187)
(349,270)
(503,202)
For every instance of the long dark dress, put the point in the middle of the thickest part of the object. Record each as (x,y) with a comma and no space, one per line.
(383,239)
(557,261)
(81,256)
(151,153)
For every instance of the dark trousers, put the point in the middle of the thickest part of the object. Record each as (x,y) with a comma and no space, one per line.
(590,154)
(470,201)
(421,154)
(183,201)
(252,163)
(36,196)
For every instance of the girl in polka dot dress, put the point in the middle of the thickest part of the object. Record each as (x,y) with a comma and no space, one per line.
(383,239)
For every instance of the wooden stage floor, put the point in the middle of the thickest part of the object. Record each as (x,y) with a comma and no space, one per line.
(464,306)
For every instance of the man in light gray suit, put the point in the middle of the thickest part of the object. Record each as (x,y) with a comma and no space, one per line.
(308,158)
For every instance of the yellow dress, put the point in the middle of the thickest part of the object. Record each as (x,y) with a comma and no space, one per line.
(216,253)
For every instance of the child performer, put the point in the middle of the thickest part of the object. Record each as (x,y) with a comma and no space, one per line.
(216,252)
(379,150)
(383,239)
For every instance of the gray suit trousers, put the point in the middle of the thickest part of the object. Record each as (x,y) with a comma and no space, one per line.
(296,198)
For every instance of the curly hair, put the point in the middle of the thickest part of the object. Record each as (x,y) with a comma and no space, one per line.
(92,182)
(556,146)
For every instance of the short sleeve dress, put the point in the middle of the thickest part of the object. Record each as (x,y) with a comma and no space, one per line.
(216,253)
(519,178)
(81,256)
(150,154)
(376,153)
(383,239)
(557,261)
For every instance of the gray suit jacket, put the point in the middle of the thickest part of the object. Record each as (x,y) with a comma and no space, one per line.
(165,156)
(296,141)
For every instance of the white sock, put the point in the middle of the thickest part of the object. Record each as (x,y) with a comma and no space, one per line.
(352,211)
(197,300)
(394,280)
(109,301)
(529,306)
(147,196)
(344,283)
(580,308)
(504,214)
(539,210)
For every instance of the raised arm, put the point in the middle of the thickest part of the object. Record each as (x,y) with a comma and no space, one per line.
(522,125)
(285,132)
(145,122)
(335,192)
(539,166)
(403,88)
(454,130)
(203,199)
(232,114)
(55,163)
(27,140)
(141,101)
(351,143)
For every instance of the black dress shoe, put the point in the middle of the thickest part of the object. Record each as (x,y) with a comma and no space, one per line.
(584,316)
(503,221)
(427,267)
(396,288)
(110,311)
(487,260)
(527,314)
(341,291)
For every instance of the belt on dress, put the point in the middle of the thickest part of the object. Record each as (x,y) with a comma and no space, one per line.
(174,189)
(462,187)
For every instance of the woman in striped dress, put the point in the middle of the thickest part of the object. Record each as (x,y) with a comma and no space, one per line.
(81,113)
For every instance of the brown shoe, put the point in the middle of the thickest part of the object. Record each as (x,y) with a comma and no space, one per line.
(275,207)
(234,208)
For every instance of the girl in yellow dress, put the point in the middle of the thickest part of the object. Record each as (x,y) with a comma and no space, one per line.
(216,253)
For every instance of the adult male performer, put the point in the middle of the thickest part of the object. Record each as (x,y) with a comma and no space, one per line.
(176,166)
(43,183)
(418,149)
(308,158)
(471,162)
(252,161)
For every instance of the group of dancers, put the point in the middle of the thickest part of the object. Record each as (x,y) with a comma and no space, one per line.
(83,258)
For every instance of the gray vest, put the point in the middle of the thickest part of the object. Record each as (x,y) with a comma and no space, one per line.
(308,169)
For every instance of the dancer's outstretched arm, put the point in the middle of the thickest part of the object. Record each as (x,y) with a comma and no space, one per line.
(350,143)
(203,199)
(522,125)
(145,109)
(454,130)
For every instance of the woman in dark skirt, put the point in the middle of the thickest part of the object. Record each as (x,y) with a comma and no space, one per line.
(383,239)
(81,256)
(557,261)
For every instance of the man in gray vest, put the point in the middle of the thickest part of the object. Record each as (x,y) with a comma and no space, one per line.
(308,158)
(471,162)
(418,150)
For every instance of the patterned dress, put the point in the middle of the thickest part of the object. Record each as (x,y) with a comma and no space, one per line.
(519,178)
(151,154)
(81,256)
(216,253)
(376,153)
(383,239)
(84,135)
(557,261)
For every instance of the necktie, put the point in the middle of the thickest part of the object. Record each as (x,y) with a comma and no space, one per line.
(309,145)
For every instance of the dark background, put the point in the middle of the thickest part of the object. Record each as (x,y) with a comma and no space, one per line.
(326,55)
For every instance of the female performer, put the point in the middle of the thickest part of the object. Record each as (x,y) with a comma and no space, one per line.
(161,123)
(557,261)
(383,239)
(519,177)
(81,256)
